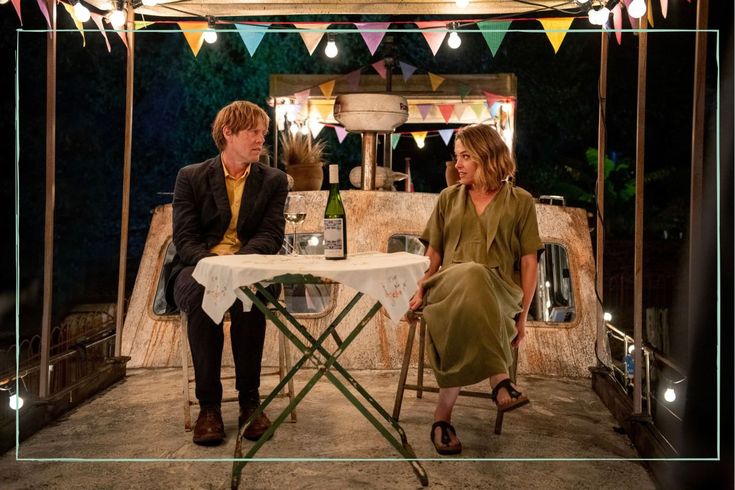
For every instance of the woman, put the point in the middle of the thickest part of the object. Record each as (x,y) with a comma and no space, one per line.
(482,242)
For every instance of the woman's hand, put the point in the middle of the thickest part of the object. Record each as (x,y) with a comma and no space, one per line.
(520,331)
(417,299)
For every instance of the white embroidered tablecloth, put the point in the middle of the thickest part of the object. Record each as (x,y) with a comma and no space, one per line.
(390,279)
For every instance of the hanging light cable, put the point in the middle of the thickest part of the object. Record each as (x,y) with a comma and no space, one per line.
(331,50)
(210,35)
(454,40)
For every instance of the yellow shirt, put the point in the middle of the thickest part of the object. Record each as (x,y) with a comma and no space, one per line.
(235,188)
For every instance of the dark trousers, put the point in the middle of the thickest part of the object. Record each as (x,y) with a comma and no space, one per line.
(206,339)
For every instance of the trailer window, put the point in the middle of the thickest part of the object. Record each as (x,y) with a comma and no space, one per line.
(554,299)
(160,305)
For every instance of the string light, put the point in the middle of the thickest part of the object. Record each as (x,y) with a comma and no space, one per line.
(150,3)
(15,401)
(454,40)
(463,3)
(81,13)
(637,8)
(210,35)
(118,16)
(607,316)
(3,2)
(331,50)
(670,394)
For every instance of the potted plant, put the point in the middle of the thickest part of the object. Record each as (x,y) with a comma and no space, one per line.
(303,160)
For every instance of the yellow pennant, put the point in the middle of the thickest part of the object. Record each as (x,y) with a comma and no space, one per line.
(435,80)
(70,10)
(142,24)
(419,137)
(325,108)
(195,38)
(327,88)
(649,13)
(477,109)
(559,25)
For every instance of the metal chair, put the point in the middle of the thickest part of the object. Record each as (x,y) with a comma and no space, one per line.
(417,317)
(284,365)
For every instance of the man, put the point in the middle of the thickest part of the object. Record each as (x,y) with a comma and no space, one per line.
(229,204)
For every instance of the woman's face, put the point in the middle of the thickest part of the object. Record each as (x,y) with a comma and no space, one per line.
(464,163)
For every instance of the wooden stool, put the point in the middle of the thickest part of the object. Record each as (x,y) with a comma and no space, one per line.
(419,387)
(284,365)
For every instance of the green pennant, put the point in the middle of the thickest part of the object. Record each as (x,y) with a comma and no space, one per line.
(394,140)
(493,32)
(464,90)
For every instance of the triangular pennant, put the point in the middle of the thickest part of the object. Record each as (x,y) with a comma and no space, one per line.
(649,13)
(394,139)
(494,33)
(434,32)
(556,30)
(459,109)
(424,110)
(311,38)
(302,96)
(379,66)
(664,8)
(446,111)
(419,137)
(353,79)
(464,90)
(251,36)
(142,24)
(97,18)
(16,5)
(123,37)
(617,12)
(315,127)
(44,11)
(407,70)
(196,38)
(435,80)
(327,88)
(477,109)
(492,98)
(80,27)
(371,37)
(341,133)
(446,135)
(325,110)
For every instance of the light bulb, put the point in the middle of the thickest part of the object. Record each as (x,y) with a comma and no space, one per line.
(3,2)
(637,8)
(313,240)
(454,41)
(420,143)
(547,284)
(331,49)
(607,317)
(81,13)
(602,15)
(15,402)
(294,129)
(592,16)
(117,19)
(669,395)
(462,3)
(210,36)
(150,3)
(631,348)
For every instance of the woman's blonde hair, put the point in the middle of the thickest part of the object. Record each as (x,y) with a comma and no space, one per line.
(237,116)
(495,163)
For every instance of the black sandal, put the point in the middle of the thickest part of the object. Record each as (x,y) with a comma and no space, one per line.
(445,449)
(518,399)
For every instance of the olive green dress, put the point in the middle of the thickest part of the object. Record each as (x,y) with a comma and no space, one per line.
(471,302)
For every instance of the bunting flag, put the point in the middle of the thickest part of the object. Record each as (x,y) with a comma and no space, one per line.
(434,32)
(649,12)
(16,5)
(424,110)
(435,80)
(477,109)
(618,23)
(664,7)
(311,38)
(446,111)
(559,25)
(325,110)
(372,38)
(302,96)
(315,127)
(419,137)
(464,90)
(97,18)
(459,110)
(327,88)
(124,38)
(494,33)
(44,11)
(196,38)
(394,139)
(353,79)
(379,66)
(493,98)
(80,27)
(141,24)
(341,133)
(407,70)
(251,35)
(446,135)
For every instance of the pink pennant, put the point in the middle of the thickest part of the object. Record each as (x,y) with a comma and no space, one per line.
(372,39)
(446,110)
(664,7)
(341,133)
(424,110)
(97,18)
(302,97)
(379,66)
(617,12)
(493,98)
(434,32)
(16,4)
(124,38)
(44,11)
(353,79)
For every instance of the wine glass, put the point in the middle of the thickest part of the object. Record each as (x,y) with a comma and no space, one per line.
(295,213)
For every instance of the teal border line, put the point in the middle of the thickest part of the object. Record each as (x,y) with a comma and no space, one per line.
(19,31)
(268,30)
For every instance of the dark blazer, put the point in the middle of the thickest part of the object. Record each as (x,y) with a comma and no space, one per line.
(201,213)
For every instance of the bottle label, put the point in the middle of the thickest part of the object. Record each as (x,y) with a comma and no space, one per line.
(333,243)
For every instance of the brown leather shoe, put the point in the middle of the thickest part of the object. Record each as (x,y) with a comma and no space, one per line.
(209,429)
(257,427)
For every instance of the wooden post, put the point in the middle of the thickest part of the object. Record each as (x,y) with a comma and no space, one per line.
(127,157)
(600,227)
(48,234)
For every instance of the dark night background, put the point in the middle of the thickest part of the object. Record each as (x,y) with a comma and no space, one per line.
(177,96)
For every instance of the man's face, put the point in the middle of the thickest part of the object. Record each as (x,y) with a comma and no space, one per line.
(246,144)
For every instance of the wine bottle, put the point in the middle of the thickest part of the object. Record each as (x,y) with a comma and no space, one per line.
(335,220)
